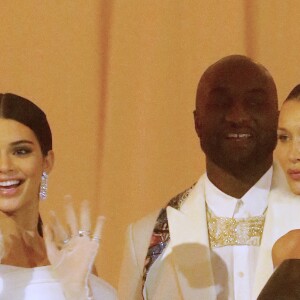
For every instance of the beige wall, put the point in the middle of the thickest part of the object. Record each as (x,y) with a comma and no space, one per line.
(51,53)
(117,80)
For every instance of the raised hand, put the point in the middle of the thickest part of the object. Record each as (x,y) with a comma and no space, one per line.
(72,252)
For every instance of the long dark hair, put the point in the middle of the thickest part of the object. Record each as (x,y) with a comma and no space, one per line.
(26,112)
(294,93)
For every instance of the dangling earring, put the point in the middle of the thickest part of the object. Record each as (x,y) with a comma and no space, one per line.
(44,186)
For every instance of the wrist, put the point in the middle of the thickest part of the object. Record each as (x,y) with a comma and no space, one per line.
(76,291)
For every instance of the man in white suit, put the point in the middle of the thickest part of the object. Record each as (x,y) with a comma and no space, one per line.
(214,240)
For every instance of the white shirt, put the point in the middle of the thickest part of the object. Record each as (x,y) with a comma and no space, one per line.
(234,266)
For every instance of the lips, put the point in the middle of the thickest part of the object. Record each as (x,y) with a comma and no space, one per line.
(294,174)
(238,139)
(9,187)
(239,136)
(9,183)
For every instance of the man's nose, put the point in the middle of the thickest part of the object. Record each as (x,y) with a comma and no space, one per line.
(237,113)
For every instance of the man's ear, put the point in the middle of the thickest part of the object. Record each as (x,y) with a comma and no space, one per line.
(48,162)
(197,123)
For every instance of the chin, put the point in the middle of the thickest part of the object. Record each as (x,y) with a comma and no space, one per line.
(10,205)
(295,188)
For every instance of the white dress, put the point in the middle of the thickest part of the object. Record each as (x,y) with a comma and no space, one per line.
(38,283)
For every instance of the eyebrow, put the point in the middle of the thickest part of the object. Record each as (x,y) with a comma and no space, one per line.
(218,89)
(21,142)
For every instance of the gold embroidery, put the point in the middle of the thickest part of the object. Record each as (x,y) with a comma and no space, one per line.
(229,231)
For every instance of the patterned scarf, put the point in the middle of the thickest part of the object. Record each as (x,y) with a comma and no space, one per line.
(161,235)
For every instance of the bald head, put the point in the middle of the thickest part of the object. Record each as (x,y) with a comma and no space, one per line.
(236,114)
(239,64)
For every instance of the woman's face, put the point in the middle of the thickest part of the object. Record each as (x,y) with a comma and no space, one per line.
(288,148)
(21,166)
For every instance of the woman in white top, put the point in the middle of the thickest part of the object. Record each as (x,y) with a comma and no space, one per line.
(58,265)
(285,281)
(288,153)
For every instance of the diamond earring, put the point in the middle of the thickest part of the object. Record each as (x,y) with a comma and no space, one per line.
(44,186)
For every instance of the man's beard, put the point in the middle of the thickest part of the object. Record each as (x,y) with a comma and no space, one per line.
(239,163)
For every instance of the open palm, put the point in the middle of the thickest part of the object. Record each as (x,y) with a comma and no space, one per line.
(72,252)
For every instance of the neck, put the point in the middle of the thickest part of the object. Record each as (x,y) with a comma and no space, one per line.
(235,185)
(24,247)
(27,216)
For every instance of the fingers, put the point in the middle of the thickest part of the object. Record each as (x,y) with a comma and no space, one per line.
(85,220)
(60,234)
(71,216)
(49,242)
(98,229)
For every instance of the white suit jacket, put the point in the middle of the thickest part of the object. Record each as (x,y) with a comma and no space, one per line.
(184,269)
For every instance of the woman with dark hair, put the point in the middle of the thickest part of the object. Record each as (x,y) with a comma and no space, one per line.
(288,153)
(58,265)
(289,139)
(285,281)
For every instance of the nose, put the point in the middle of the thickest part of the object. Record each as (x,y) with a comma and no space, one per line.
(237,113)
(294,152)
(6,164)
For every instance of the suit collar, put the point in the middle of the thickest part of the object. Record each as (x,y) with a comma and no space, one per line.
(189,246)
(188,225)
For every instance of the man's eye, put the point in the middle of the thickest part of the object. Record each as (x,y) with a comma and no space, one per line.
(255,102)
(220,101)
(256,99)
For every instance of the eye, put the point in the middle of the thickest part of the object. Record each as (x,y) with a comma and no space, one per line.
(255,102)
(219,99)
(256,99)
(283,137)
(22,151)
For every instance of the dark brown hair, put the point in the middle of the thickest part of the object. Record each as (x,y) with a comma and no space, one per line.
(26,112)
(294,94)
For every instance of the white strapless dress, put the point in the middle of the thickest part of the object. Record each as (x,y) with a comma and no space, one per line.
(38,284)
